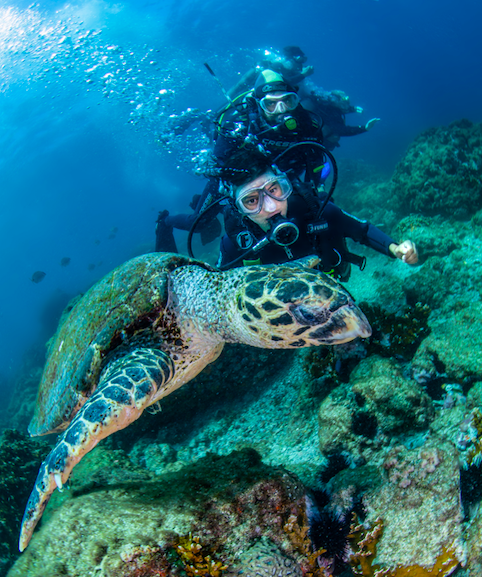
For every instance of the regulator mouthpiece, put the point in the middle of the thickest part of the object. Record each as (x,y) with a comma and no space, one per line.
(283,232)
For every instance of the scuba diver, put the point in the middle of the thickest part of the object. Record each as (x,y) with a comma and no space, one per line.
(289,63)
(271,119)
(274,219)
(332,107)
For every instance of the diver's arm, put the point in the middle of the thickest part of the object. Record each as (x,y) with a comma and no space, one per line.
(381,242)
(246,82)
(359,230)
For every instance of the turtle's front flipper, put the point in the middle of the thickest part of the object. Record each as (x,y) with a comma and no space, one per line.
(125,389)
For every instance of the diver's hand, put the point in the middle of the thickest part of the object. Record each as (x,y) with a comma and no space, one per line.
(406,251)
(371,123)
(308,71)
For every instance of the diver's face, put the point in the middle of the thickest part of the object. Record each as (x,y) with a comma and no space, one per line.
(276,104)
(267,190)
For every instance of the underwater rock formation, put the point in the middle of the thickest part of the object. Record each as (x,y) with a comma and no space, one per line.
(421,489)
(222,506)
(441,173)
(452,352)
(397,403)
(24,385)
(378,401)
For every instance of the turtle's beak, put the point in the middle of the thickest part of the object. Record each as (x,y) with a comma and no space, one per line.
(355,323)
(335,327)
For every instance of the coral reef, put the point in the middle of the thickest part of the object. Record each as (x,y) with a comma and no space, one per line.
(421,489)
(451,282)
(195,561)
(397,403)
(379,401)
(202,518)
(434,236)
(441,172)
(365,540)
(264,559)
(412,488)
(451,353)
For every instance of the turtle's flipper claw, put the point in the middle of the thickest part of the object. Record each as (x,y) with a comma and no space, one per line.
(44,487)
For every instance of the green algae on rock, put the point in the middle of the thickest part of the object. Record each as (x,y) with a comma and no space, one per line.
(398,403)
(441,172)
(378,400)
(453,349)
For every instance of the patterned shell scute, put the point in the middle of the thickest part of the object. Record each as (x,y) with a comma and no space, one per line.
(125,301)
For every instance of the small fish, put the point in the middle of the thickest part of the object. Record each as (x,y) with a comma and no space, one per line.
(91,266)
(65,261)
(113,232)
(97,241)
(38,276)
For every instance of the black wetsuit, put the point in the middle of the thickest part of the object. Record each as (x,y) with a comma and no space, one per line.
(334,126)
(328,240)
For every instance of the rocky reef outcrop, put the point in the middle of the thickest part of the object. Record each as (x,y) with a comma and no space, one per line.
(441,173)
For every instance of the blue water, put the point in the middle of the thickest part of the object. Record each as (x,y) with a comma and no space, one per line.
(85,89)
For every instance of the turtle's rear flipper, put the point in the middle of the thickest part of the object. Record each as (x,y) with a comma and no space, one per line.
(125,389)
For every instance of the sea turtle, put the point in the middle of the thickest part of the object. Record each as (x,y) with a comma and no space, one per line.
(152,325)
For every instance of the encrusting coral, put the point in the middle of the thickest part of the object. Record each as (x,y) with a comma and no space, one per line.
(196,563)
(363,564)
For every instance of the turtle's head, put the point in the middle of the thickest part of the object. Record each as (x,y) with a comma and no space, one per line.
(290,306)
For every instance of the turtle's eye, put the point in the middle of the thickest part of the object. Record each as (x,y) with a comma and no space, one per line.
(306,315)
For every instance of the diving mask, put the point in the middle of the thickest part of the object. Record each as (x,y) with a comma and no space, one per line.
(250,200)
(279,103)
